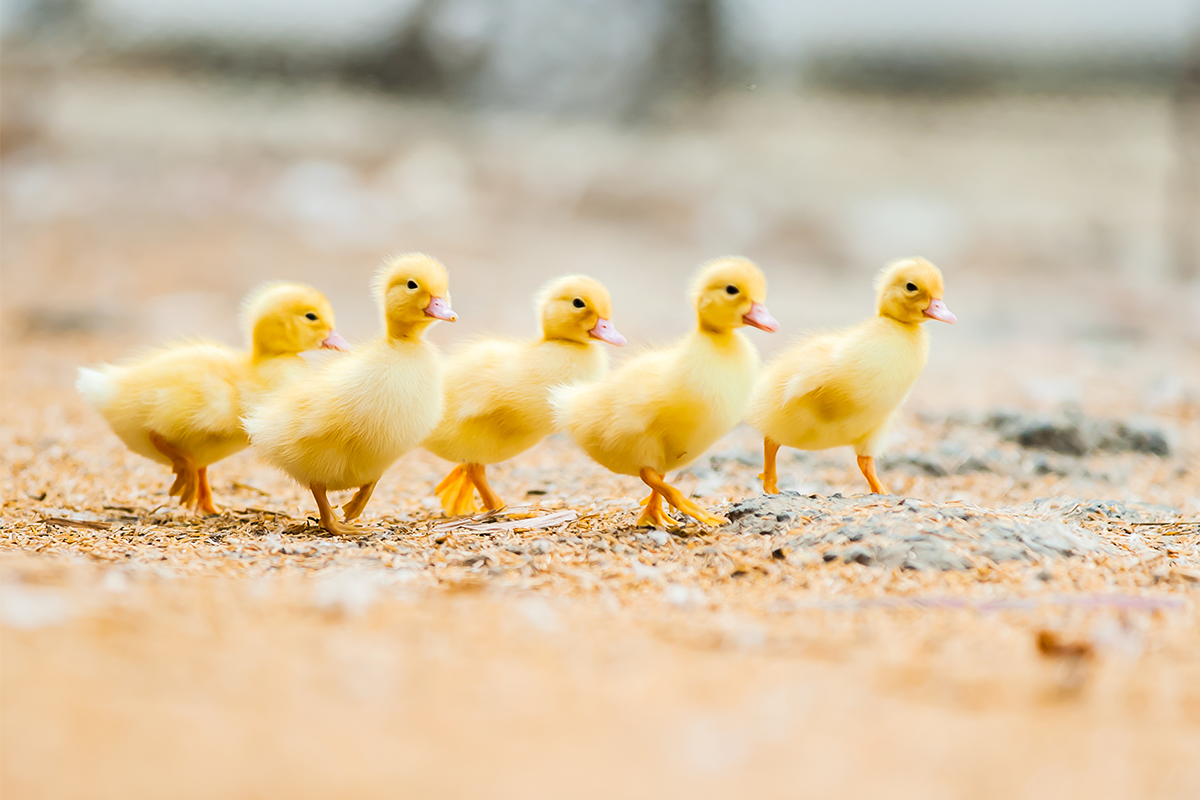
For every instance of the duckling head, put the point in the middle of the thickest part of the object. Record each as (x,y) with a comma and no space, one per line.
(414,292)
(577,309)
(910,291)
(283,318)
(729,293)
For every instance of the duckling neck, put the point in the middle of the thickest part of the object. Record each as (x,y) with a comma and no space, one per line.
(261,353)
(402,331)
(911,328)
(563,341)
(718,336)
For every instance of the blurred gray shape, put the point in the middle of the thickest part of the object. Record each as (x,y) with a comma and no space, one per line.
(592,57)
(343,27)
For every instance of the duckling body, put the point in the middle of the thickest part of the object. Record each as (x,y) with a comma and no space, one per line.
(497,391)
(348,423)
(182,405)
(844,388)
(663,409)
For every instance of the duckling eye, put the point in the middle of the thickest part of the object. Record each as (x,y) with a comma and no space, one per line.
(731,289)
(412,284)
(912,287)
(311,316)
(578,303)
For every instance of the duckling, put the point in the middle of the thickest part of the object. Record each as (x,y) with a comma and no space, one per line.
(348,423)
(843,388)
(182,405)
(663,408)
(497,391)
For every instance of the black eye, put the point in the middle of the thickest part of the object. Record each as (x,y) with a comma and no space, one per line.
(311,315)
(732,289)
(912,287)
(578,303)
(412,284)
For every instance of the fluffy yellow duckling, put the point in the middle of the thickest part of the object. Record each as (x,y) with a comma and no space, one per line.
(663,408)
(343,427)
(843,388)
(182,406)
(497,392)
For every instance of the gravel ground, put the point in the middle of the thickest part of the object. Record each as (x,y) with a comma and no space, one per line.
(1021,619)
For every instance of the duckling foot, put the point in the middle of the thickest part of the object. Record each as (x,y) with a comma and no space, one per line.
(204,498)
(330,522)
(457,492)
(866,465)
(355,506)
(768,476)
(654,516)
(676,500)
(478,476)
(187,483)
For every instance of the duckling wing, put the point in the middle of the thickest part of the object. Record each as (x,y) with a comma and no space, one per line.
(478,380)
(190,390)
(812,368)
(620,421)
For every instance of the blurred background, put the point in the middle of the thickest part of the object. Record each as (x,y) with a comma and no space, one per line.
(161,157)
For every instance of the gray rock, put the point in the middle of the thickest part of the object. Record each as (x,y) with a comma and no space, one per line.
(859,555)
(914,464)
(1004,552)
(973,464)
(1070,433)
(893,532)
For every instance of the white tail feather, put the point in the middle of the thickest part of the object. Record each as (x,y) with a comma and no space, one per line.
(96,386)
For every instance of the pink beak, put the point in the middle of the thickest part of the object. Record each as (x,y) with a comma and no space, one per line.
(760,318)
(937,310)
(440,309)
(605,332)
(334,341)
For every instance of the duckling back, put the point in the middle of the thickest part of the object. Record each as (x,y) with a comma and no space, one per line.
(497,396)
(348,423)
(190,395)
(839,388)
(662,409)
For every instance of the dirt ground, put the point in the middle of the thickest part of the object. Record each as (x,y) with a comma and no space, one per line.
(147,653)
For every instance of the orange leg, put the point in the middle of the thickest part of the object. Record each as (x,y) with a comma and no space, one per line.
(769,477)
(654,516)
(328,521)
(478,475)
(867,465)
(675,498)
(204,498)
(356,505)
(186,485)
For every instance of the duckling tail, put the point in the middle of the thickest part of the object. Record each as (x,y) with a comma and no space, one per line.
(96,386)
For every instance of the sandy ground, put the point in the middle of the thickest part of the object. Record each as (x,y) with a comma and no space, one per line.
(146,653)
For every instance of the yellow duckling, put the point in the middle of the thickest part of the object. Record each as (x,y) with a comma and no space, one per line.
(843,388)
(343,427)
(664,408)
(497,392)
(182,406)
